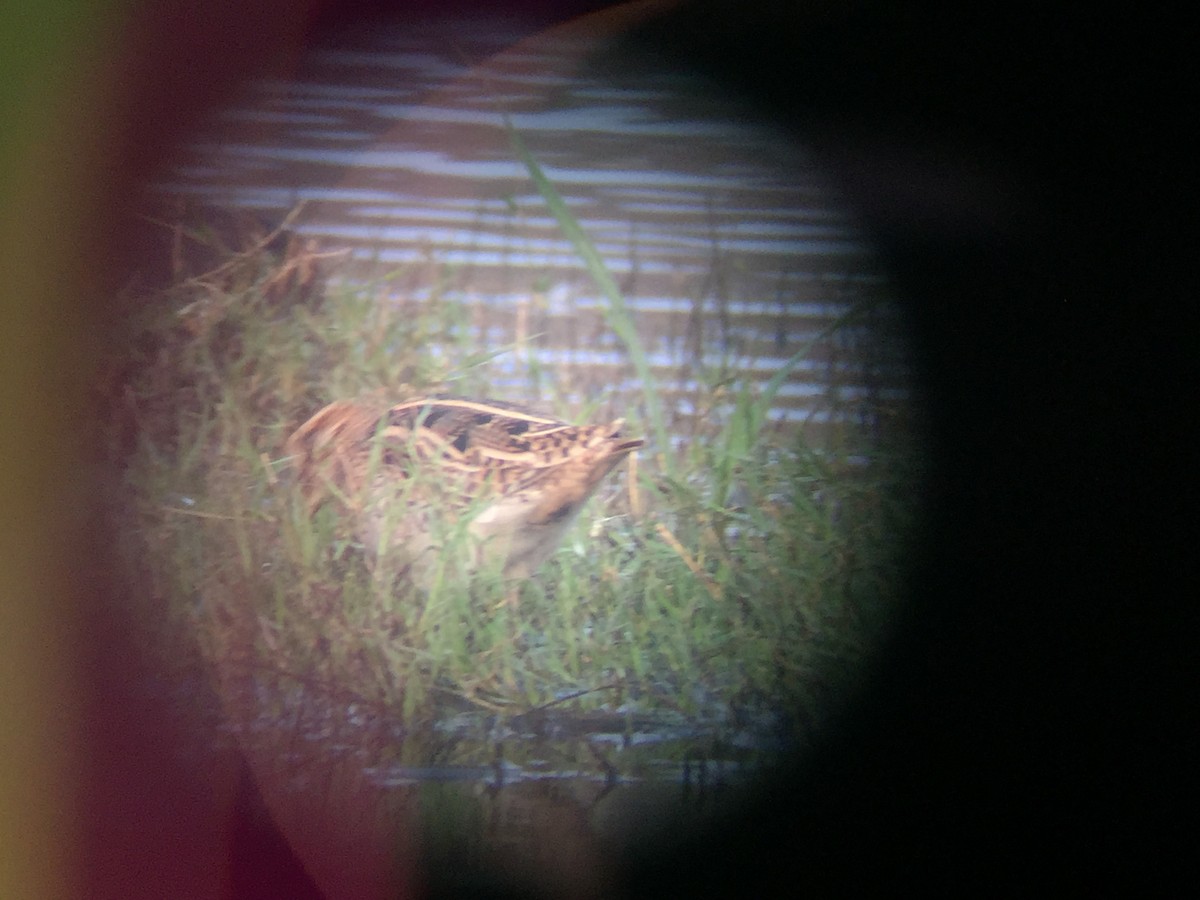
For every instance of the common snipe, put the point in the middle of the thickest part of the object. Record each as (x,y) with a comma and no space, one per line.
(442,472)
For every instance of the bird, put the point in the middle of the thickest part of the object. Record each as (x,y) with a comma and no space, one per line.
(451,485)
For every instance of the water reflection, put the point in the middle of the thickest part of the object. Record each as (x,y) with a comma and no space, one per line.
(401,156)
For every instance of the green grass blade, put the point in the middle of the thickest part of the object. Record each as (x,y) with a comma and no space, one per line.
(616,313)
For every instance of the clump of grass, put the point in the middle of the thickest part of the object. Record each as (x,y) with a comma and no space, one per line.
(738,570)
(794,555)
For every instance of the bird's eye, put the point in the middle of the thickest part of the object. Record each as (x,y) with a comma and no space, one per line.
(561,512)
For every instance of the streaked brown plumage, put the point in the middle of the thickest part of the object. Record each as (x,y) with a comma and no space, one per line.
(417,472)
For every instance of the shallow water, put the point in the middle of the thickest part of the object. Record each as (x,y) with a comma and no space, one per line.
(732,249)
